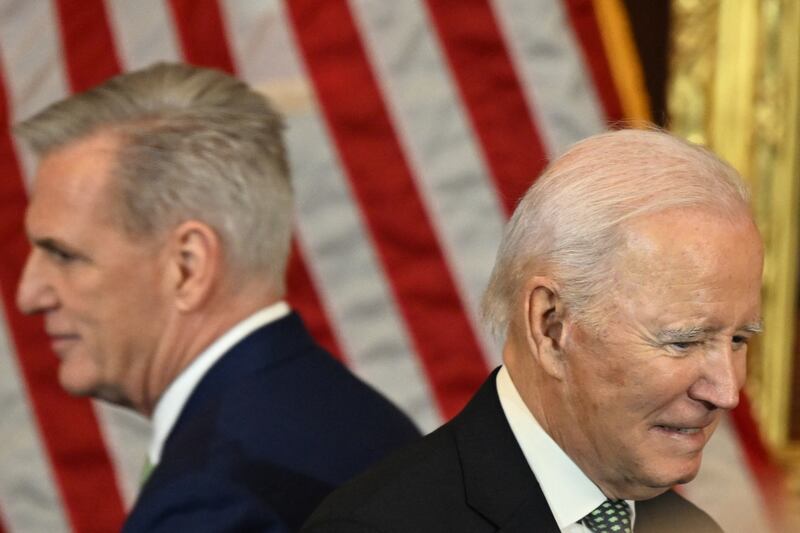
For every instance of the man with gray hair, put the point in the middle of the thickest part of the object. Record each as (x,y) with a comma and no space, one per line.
(160,220)
(626,289)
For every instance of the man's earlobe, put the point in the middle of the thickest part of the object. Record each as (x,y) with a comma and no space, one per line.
(546,326)
(197,258)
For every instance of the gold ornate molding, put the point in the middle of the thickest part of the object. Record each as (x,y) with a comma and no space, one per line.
(694,52)
(735,87)
(775,163)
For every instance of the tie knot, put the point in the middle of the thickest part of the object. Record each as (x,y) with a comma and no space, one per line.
(612,516)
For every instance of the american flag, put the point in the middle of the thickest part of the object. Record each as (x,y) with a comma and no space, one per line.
(413,127)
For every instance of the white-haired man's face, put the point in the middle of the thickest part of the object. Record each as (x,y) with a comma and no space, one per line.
(644,393)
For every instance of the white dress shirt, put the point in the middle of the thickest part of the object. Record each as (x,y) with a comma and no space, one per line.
(569,493)
(171,403)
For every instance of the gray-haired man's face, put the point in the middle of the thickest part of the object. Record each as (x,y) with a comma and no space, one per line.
(100,292)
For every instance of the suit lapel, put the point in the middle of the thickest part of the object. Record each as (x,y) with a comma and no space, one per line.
(498,481)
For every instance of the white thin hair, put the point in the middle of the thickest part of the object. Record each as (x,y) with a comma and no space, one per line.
(569,225)
(195,144)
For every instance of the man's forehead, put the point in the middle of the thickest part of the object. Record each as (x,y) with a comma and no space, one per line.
(102,142)
(73,179)
(690,269)
(681,233)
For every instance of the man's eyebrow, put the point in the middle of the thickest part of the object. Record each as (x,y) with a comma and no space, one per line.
(754,327)
(683,334)
(48,243)
(690,333)
(54,245)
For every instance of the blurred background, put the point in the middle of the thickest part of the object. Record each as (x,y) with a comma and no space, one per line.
(413,127)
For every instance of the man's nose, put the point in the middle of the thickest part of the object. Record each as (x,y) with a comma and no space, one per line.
(722,377)
(34,293)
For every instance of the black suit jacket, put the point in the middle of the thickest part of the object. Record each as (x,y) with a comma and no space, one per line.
(470,476)
(272,428)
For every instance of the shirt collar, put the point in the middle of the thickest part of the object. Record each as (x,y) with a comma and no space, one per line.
(171,403)
(569,493)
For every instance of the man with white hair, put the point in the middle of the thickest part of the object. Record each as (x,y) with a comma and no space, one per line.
(160,220)
(626,289)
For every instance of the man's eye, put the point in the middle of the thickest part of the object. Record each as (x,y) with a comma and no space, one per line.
(738,341)
(60,255)
(683,346)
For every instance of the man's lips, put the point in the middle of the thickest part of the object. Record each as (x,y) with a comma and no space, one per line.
(686,430)
(60,342)
(690,432)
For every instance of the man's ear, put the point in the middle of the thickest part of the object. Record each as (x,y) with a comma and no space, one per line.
(196,259)
(545,325)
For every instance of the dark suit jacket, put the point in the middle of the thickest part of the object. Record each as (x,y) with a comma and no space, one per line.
(272,428)
(470,476)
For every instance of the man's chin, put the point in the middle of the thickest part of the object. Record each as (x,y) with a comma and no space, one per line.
(75,388)
(90,389)
(652,483)
(670,477)
(685,479)
(77,374)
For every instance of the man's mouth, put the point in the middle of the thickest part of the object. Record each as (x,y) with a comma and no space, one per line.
(680,429)
(60,342)
(693,434)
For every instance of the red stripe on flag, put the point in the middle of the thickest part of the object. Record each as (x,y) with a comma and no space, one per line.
(202,33)
(2,522)
(303,298)
(492,93)
(68,426)
(207,44)
(87,40)
(768,476)
(584,22)
(385,189)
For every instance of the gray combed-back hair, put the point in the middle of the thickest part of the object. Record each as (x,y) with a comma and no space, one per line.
(195,144)
(568,224)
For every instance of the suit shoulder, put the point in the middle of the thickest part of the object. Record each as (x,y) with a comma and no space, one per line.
(313,400)
(415,481)
(672,512)
(314,382)
(204,500)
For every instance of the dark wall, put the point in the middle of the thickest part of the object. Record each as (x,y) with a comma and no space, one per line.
(651,22)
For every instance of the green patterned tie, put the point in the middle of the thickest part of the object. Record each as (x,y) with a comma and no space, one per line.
(613,516)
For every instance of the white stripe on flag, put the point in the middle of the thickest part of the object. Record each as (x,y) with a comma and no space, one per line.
(450,173)
(28,495)
(332,233)
(143,32)
(126,434)
(725,487)
(551,67)
(33,73)
(258,41)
